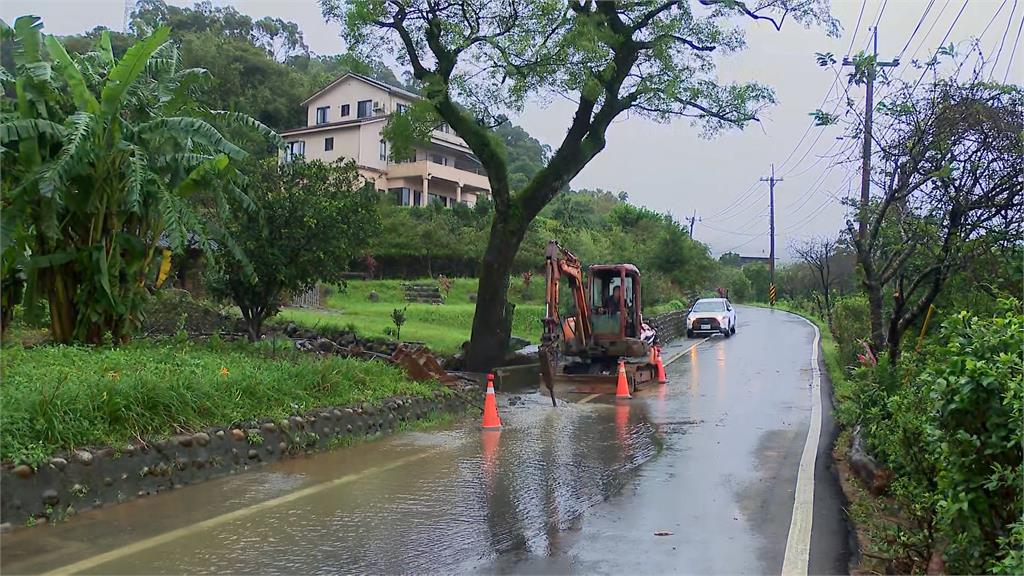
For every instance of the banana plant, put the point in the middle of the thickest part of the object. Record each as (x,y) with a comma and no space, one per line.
(108,161)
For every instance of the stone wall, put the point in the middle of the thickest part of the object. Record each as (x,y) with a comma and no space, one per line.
(669,325)
(84,479)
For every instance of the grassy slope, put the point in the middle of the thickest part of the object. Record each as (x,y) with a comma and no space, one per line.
(444,328)
(57,397)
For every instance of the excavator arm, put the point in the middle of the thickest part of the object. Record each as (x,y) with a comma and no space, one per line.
(560,262)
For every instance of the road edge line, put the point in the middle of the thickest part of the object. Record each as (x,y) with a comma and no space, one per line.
(798,544)
(110,555)
(680,355)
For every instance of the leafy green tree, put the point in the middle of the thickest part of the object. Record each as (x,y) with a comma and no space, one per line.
(112,157)
(759,277)
(310,218)
(650,58)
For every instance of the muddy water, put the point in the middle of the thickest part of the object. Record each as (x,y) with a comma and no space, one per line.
(449,501)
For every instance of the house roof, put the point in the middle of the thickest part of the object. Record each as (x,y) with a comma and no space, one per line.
(330,125)
(382,85)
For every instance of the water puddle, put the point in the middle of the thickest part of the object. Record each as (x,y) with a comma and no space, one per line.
(437,502)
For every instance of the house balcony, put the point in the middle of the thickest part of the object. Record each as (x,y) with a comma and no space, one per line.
(428,170)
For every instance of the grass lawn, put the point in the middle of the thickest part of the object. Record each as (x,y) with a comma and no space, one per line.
(442,327)
(60,397)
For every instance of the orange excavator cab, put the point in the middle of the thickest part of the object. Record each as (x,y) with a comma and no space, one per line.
(582,350)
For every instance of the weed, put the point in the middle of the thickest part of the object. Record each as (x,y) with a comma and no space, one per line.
(79,490)
(31,521)
(254,439)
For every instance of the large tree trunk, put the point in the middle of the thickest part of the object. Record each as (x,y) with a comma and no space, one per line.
(492,321)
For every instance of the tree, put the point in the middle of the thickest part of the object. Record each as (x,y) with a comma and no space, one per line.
(951,185)
(112,158)
(818,254)
(730,259)
(653,59)
(310,218)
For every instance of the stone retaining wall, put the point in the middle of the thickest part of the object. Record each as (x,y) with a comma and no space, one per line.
(669,325)
(86,479)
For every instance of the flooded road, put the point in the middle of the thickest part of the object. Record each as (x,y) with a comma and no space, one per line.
(712,457)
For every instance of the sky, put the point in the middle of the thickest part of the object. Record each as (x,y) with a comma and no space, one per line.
(670,167)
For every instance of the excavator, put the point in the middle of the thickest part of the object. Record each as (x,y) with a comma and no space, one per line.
(581,352)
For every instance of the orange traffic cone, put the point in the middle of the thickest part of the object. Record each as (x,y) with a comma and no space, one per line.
(491,419)
(622,386)
(661,365)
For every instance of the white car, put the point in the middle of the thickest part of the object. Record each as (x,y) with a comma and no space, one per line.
(711,316)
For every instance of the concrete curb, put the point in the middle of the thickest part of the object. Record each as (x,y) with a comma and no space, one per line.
(83,479)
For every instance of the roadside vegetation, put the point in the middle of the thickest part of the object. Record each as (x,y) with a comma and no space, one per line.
(62,397)
(921,293)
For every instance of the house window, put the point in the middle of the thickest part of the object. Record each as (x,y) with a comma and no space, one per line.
(403,196)
(345,109)
(442,200)
(439,159)
(383,149)
(295,151)
(364,108)
(417,197)
(321,114)
(400,108)
(328,144)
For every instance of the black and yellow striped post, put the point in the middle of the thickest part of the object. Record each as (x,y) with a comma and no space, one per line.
(771,293)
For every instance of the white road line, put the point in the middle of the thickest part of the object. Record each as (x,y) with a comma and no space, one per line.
(798,544)
(680,355)
(136,547)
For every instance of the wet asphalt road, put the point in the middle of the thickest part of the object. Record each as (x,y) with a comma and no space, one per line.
(712,457)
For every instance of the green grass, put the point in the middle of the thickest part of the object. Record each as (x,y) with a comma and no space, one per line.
(442,327)
(60,397)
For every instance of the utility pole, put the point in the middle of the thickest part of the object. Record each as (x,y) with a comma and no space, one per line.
(692,219)
(771,180)
(869,106)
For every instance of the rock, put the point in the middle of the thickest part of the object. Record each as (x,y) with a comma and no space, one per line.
(108,481)
(291,329)
(348,428)
(253,454)
(128,450)
(23,471)
(327,347)
(237,434)
(104,453)
(199,463)
(83,457)
(269,427)
(282,447)
(202,438)
(50,497)
(472,297)
(219,434)
(185,441)
(58,463)
(373,296)
(284,424)
(181,463)
(517,343)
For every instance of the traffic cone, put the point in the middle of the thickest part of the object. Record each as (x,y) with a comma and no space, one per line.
(661,365)
(622,386)
(491,420)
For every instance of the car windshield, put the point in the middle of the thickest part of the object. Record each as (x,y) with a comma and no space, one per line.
(709,306)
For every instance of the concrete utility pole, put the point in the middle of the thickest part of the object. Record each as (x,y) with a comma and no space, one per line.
(692,219)
(869,106)
(771,180)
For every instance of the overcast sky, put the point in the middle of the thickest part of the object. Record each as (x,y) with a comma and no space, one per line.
(669,168)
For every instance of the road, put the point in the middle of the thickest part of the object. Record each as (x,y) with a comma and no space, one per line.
(711,460)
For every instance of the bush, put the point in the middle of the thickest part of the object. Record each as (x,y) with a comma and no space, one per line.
(948,423)
(850,325)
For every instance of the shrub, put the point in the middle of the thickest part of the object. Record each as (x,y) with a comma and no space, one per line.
(948,423)
(850,325)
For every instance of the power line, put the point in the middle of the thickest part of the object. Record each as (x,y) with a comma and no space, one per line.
(746,194)
(878,17)
(924,15)
(1013,50)
(738,246)
(1006,30)
(943,42)
(856,27)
